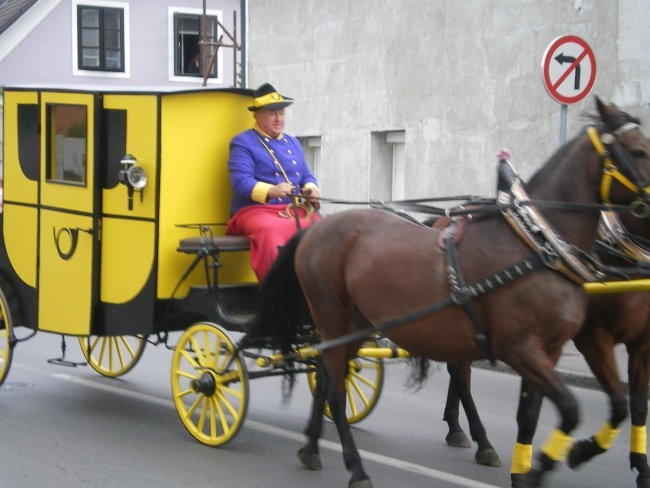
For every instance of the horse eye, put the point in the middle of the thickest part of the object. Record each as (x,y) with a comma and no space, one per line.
(637,152)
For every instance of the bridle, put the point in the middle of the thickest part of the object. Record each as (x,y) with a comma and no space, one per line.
(608,147)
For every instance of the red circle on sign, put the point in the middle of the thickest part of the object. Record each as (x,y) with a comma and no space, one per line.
(553,86)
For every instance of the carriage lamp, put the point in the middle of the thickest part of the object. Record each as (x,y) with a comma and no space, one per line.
(133,176)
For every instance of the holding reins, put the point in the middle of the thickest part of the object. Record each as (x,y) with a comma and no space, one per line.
(606,146)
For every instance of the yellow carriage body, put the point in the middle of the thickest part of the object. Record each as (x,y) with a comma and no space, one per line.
(83,259)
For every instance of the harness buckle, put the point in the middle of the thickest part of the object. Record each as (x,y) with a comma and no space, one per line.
(461,295)
(640,208)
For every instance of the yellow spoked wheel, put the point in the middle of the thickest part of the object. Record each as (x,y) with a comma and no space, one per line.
(363,383)
(209,384)
(112,356)
(6,337)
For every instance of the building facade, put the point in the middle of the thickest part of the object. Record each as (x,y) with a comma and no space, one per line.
(414,98)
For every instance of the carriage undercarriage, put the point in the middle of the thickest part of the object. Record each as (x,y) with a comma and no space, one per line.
(213,360)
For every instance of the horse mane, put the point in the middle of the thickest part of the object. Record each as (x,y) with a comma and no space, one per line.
(550,167)
(594,120)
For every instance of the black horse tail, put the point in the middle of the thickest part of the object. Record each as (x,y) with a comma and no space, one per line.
(282,311)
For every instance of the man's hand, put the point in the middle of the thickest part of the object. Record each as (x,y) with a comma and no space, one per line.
(312,195)
(281,190)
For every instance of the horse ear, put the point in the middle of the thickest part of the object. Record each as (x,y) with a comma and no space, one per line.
(600,105)
(609,114)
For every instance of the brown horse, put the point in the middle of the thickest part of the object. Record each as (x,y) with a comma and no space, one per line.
(611,319)
(362,268)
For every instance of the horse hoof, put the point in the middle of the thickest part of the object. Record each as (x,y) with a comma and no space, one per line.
(488,457)
(458,439)
(365,483)
(309,460)
(532,479)
(643,481)
(518,481)
(582,451)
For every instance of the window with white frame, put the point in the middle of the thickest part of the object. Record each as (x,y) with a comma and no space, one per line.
(188,29)
(311,146)
(100,38)
(396,141)
(386,170)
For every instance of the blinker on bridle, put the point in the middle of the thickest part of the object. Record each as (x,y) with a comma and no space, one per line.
(610,150)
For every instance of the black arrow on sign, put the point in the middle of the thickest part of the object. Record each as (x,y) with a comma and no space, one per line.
(561,58)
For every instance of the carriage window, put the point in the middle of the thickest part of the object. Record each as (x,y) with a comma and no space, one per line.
(189,29)
(29,140)
(100,38)
(67,143)
(114,145)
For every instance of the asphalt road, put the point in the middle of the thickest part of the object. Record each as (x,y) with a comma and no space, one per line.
(69,427)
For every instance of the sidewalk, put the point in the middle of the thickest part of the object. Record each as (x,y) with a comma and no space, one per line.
(573,367)
(575,371)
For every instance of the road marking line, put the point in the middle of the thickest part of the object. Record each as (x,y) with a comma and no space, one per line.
(293,436)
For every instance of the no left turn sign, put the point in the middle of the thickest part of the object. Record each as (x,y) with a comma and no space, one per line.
(569,69)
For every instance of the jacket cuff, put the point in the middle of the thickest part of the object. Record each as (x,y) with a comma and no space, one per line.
(309,184)
(260,192)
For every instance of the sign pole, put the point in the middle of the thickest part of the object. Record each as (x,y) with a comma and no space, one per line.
(563,123)
(569,73)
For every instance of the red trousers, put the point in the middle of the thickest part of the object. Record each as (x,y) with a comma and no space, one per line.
(268,229)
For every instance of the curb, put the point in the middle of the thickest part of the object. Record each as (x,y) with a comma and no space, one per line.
(568,377)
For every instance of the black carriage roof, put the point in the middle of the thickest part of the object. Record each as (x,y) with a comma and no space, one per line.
(126,90)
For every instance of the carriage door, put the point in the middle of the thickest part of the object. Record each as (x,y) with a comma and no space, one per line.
(67,228)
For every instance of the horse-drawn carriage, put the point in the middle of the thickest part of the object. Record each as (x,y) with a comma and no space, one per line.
(115,204)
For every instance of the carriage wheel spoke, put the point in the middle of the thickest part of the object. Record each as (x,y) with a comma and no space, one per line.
(212,417)
(190,359)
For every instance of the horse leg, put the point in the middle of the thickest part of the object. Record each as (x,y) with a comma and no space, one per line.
(638,377)
(309,454)
(599,354)
(461,375)
(336,399)
(455,437)
(536,367)
(530,405)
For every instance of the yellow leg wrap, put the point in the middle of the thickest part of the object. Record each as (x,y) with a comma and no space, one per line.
(606,436)
(638,441)
(522,456)
(557,445)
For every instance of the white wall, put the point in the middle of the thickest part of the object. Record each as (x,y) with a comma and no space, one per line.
(462,79)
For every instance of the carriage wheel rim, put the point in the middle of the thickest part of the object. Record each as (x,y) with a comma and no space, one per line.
(6,335)
(363,384)
(209,384)
(112,356)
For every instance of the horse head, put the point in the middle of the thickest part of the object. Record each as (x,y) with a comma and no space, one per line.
(626,159)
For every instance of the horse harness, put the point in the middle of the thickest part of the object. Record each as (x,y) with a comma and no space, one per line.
(615,239)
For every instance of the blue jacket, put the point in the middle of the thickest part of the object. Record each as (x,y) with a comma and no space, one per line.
(253,170)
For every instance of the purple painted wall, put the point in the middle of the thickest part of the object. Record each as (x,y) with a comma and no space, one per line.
(38,48)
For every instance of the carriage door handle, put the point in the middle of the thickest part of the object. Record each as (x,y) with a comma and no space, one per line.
(73,234)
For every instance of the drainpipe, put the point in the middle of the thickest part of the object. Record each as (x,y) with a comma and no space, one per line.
(244,43)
